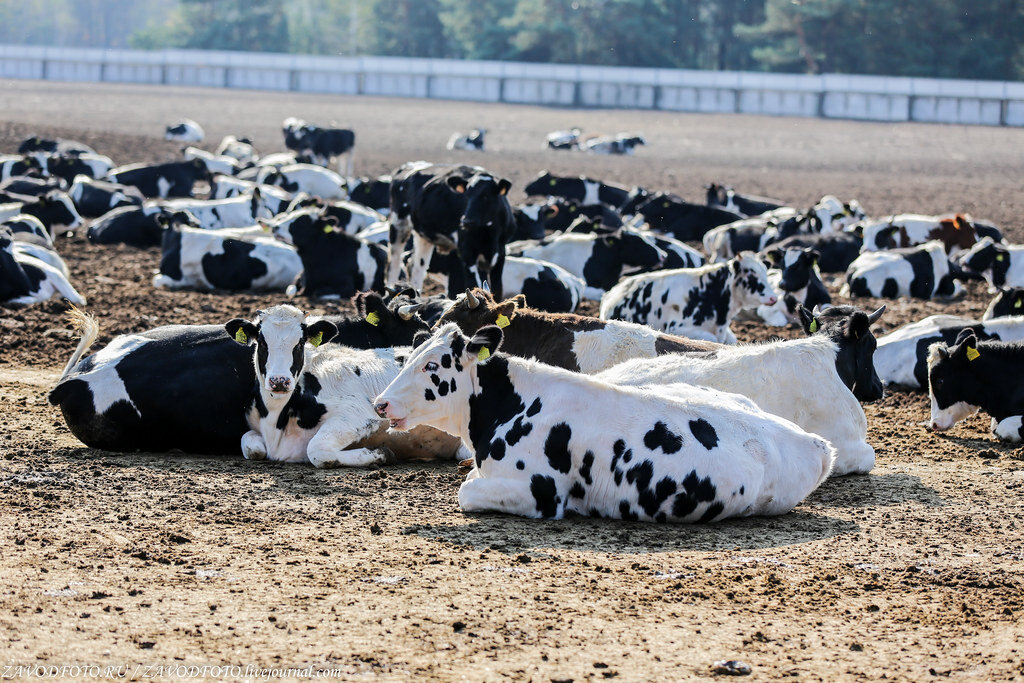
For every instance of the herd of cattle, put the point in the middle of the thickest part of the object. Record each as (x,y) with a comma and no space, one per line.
(649,411)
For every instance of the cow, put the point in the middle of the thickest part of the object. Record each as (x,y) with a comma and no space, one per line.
(535,220)
(17,165)
(835,360)
(574,342)
(214,163)
(1008,302)
(25,279)
(623,143)
(185,130)
(972,375)
(59,146)
(563,139)
(351,217)
(171,179)
(372,192)
(673,215)
(472,141)
(23,225)
(957,232)
(322,144)
(599,259)
(677,254)
(836,250)
(274,198)
(215,214)
(657,453)
(55,210)
(694,302)
(136,226)
(1002,265)
(753,234)
(309,178)
(28,186)
(334,263)
(836,215)
(27,244)
(922,272)
(725,197)
(795,276)
(531,220)
(545,286)
(313,401)
(93,198)
(239,149)
(67,167)
(902,356)
(582,189)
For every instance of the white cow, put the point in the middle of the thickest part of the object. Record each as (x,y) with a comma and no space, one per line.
(310,178)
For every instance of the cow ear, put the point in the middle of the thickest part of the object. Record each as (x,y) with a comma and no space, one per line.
(519,300)
(484,343)
(966,335)
(551,211)
(858,325)
(321,331)
(807,320)
(457,183)
(1018,300)
(506,310)
(373,308)
(503,187)
(241,330)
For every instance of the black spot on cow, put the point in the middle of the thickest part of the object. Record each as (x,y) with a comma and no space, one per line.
(451,384)
(618,477)
(496,403)
(626,511)
(520,465)
(234,268)
(664,438)
(428,395)
(358,371)
(544,494)
(458,346)
(695,491)
(303,407)
(890,289)
(534,408)
(518,431)
(497,450)
(436,380)
(713,511)
(664,297)
(577,491)
(446,361)
(618,448)
(704,433)
(442,388)
(556,448)
(585,467)
(311,383)
(710,299)
(923,284)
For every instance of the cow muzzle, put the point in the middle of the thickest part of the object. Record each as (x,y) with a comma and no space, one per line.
(279,384)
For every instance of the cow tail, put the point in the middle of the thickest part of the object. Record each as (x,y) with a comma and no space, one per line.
(87,326)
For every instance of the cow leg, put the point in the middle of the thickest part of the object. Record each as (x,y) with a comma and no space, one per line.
(512,496)
(422,251)
(355,457)
(253,446)
(1009,429)
(399,234)
(330,446)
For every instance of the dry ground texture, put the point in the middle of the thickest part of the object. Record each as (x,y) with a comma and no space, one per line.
(912,572)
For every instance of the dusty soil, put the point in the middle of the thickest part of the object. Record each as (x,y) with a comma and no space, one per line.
(912,572)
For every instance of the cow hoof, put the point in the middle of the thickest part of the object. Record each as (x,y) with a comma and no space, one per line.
(255,455)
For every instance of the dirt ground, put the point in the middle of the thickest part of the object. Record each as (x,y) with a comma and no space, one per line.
(913,572)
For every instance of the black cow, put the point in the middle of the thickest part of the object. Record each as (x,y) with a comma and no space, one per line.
(68,167)
(850,329)
(582,189)
(93,198)
(487,225)
(674,215)
(322,144)
(172,179)
(725,197)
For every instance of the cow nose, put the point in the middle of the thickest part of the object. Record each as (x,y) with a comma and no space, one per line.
(772,300)
(279,383)
(381,408)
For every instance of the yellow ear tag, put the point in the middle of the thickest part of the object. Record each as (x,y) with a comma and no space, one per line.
(317,339)
(502,321)
(373,318)
(554,182)
(328,229)
(1001,257)
(972,353)
(483,354)
(814,326)
(241,337)
(1017,303)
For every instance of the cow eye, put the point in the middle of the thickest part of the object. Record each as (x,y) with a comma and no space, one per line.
(430,367)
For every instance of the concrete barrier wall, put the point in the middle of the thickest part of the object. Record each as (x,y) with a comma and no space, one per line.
(870,98)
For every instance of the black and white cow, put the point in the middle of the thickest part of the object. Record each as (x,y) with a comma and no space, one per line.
(599,259)
(658,453)
(623,143)
(27,186)
(335,264)
(309,178)
(372,192)
(725,197)
(225,260)
(171,179)
(67,167)
(699,303)
(239,149)
(972,375)
(93,198)
(816,360)
(1002,265)
(923,272)
(215,163)
(1008,302)
(486,227)
(836,250)
(59,146)
(136,226)
(472,141)
(545,286)
(26,279)
(185,130)
(753,234)
(902,356)
(795,276)
(679,218)
(350,216)
(23,225)
(322,144)
(313,401)
(17,165)
(563,139)
(215,214)
(582,189)
(273,198)
(55,210)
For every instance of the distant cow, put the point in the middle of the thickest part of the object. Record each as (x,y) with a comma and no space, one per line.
(172,179)
(68,167)
(93,198)
(564,139)
(59,146)
(836,250)
(1007,302)
(55,210)
(322,144)
(623,143)
(1002,265)
(472,141)
(725,197)
(372,192)
(17,165)
(137,226)
(31,187)
(753,234)
(582,189)
(215,214)
(956,233)
(972,375)
(25,279)
(308,178)
(693,302)
(239,149)
(676,453)
(215,163)
(679,218)
(922,272)
(351,217)
(185,130)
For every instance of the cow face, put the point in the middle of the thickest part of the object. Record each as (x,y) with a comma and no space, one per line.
(950,377)
(850,329)
(279,335)
(988,259)
(1008,302)
(543,185)
(838,215)
(480,230)
(751,287)
(797,266)
(437,378)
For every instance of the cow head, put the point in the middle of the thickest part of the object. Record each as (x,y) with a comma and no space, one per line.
(751,287)
(55,209)
(988,259)
(850,329)
(280,336)
(301,226)
(1007,302)
(437,378)
(798,265)
(717,195)
(837,215)
(481,237)
(951,377)
(544,185)
(477,308)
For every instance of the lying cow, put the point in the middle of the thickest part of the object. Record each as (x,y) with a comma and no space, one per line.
(93,198)
(136,226)
(902,356)
(185,130)
(239,149)
(753,234)
(55,210)
(582,189)
(374,193)
(67,167)
(225,259)
(349,216)
(172,179)
(1008,302)
(563,139)
(546,286)
(215,214)
(923,272)
(313,401)
(693,302)
(836,250)
(623,143)
(673,215)
(725,197)
(957,233)
(59,146)
(973,375)
(565,340)
(23,225)
(12,165)
(1002,265)
(309,178)
(657,453)
(835,361)
(26,279)
(472,141)
(795,276)
(215,163)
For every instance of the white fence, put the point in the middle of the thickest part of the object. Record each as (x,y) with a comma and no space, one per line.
(875,98)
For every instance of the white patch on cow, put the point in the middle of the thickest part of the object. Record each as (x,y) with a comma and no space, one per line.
(896,354)
(596,350)
(591,190)
(944,418)
(105,384)
(163,186)
(1008,429)
(282,260)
